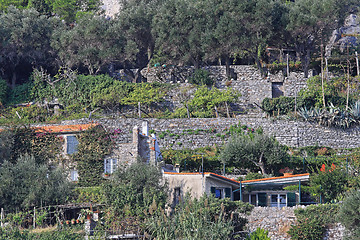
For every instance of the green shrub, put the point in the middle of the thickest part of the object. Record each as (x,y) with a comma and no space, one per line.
(206,218)
(329,183)
(130,195)
(253,175)
(313,221)
(259,234)
(282,105)
(309,229)
(89,194)
(349,214)
(3,92)
(201,77)
(20,94)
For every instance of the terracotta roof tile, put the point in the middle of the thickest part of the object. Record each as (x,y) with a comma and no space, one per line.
(205,173)
(65,128)
(273,178)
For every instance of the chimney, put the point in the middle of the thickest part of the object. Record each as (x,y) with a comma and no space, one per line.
(145,128)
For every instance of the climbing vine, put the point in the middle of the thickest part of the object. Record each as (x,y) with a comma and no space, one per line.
(94,145)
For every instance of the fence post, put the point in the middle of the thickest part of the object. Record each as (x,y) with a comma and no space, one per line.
(2,217)
(34,223)
(139,109)
(299,192)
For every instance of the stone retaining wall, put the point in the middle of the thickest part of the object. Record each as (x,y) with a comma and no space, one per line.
(278,221)
(247,81)
(201,132)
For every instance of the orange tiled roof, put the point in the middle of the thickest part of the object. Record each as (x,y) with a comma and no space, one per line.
(198,173)
(65,128)
(273,178)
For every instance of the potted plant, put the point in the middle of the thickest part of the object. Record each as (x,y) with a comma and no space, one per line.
(286,171)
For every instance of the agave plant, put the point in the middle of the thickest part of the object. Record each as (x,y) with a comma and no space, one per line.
(305,113)
(355,110)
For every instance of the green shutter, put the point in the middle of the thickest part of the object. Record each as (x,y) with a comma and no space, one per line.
(212,190)
(291,199)
(228,192)
(262,200)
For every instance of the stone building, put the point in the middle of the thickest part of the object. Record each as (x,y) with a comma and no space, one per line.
(143,146)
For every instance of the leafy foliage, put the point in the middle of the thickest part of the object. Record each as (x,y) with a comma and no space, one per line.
(25,41)
(349,214)
(312,221)
(89,194)
(334,117)
(329,182)
(59,234)
(92,43)
(26,184)
(94,145)
(259,234)
(130,195)
(204,101)
(201,77)
(190,159)
(44,146)
(281,105)
(207,217)
(256,151)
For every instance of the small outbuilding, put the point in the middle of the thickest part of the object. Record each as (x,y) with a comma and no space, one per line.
(269,192)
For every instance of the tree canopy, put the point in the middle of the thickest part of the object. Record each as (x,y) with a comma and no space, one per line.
(255,151)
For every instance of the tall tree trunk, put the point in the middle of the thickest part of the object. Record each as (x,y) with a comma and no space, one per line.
(322,74)
(13,79)
(227,66)
(261,165)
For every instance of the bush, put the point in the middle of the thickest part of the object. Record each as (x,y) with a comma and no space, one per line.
(309,229)
(3,92)
(312,221)
(329,182)
(26,184)
(282,105)
(89,194)
(259,234)
(201,77)
(349,214)
(253,175)
(206,218)
(20,94)
(128,194)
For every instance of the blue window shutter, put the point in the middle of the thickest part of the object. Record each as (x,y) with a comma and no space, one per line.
(262,200)
(228,192)
(291,199)
(105,168)
(71,144)
(212,190)
(114,165)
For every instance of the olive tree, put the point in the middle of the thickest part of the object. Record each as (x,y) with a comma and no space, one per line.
(26,184)
(254,151)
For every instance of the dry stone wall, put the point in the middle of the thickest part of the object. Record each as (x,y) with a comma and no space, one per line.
(201,132)
(247,81)
(278,221)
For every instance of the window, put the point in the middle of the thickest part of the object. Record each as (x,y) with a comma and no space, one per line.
(71,144)
(110,165)
(278,200)
(218,193)
(177,195)
(221,192)
(74,175)
(277,89)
